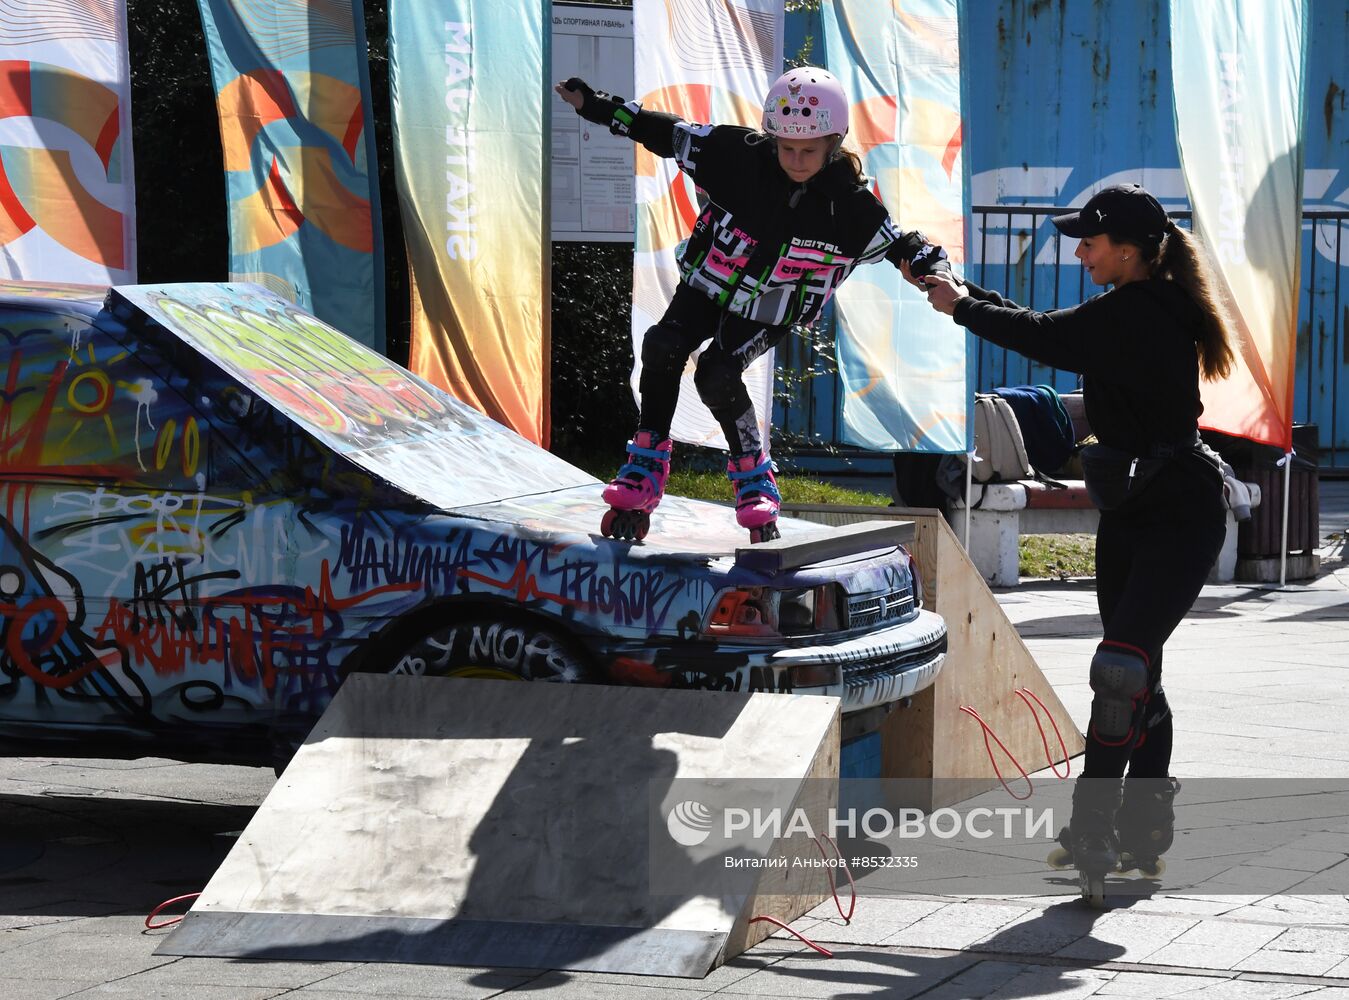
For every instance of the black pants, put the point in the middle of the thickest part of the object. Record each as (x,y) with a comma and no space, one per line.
(1150,566)
(690,319)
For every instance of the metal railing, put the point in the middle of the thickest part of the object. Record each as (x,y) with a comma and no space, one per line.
(1016,250)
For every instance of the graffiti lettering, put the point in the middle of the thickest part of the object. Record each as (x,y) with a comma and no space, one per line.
(527,569)
(749,679)
(248,631)
(521,650)
(394,560)
(157,584)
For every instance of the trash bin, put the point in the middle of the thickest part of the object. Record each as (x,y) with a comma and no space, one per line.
(1259,539)
(1262,535)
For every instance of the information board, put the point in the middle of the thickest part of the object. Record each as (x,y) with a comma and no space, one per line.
(592,170)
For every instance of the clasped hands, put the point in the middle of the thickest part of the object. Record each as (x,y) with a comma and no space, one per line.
(943,291)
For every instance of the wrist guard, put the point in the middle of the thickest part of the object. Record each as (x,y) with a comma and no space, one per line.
(929,259)
(596,105)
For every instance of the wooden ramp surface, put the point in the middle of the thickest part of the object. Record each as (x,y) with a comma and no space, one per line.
(485,823)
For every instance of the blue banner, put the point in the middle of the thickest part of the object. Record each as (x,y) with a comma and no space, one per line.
(293,96)
(1049,122)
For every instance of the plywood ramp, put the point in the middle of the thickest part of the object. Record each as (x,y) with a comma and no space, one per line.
(986,662)
(485,823)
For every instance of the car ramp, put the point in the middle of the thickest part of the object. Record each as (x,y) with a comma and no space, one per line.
(486,823)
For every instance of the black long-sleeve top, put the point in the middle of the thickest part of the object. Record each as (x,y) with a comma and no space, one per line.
(1135,346)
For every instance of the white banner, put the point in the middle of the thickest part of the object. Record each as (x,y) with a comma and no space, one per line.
(67,202)
(708,61)
(1238,67)
(902,366)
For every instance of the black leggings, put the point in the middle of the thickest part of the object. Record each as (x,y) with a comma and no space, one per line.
(1150,568)
(689,320)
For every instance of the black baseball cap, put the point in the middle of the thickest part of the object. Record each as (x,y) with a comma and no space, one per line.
(1125,211)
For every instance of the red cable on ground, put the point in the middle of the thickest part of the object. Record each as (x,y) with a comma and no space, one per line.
(1022,692)
(167,902)
(774,920)
(988,731)
(852,886)
(852,905)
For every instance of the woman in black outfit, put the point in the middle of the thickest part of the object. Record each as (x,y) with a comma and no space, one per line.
(1141,348)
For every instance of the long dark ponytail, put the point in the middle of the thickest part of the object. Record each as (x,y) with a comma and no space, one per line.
(1180,258)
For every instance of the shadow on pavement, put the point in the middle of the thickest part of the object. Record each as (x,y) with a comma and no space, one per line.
(73,856)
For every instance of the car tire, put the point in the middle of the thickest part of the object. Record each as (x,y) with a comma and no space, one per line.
(496,648)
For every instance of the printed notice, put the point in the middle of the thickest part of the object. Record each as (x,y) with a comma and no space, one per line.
(592,189)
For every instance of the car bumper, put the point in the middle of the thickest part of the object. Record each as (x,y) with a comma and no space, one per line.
(874,669)
(878,668)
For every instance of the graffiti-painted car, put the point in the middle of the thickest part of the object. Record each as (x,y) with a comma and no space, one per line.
(216,508)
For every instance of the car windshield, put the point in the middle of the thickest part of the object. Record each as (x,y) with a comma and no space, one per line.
(359,403)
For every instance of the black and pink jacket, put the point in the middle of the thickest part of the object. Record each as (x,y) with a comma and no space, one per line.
(765,247)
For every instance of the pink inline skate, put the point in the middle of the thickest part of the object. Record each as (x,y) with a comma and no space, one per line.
(756,495)
(636,491)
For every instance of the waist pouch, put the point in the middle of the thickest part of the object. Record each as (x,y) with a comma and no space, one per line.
(1115,477)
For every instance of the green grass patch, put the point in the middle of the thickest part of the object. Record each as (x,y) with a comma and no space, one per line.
(1057,556)
(701,476)
(794,488)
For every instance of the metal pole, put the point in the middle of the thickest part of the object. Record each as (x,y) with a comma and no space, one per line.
(1287,462)
(969,478)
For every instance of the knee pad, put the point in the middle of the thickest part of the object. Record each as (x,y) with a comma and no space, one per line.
(1119,684)
(661,352)
(718,383)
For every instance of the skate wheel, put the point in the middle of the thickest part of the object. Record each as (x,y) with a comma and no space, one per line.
(1093,890)
(1060,858)
(764,533)
(629,525)
(1150,869)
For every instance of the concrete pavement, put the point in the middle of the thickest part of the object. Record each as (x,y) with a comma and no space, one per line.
(1257,677)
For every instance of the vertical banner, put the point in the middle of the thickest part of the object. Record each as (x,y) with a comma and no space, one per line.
(708,61)
(1238,67)
(293,97)
(903,365)
(470,115)
(67,202)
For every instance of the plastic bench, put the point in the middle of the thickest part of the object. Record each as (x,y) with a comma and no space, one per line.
(1002,512)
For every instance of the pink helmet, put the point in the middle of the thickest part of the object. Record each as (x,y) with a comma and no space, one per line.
(804,103)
